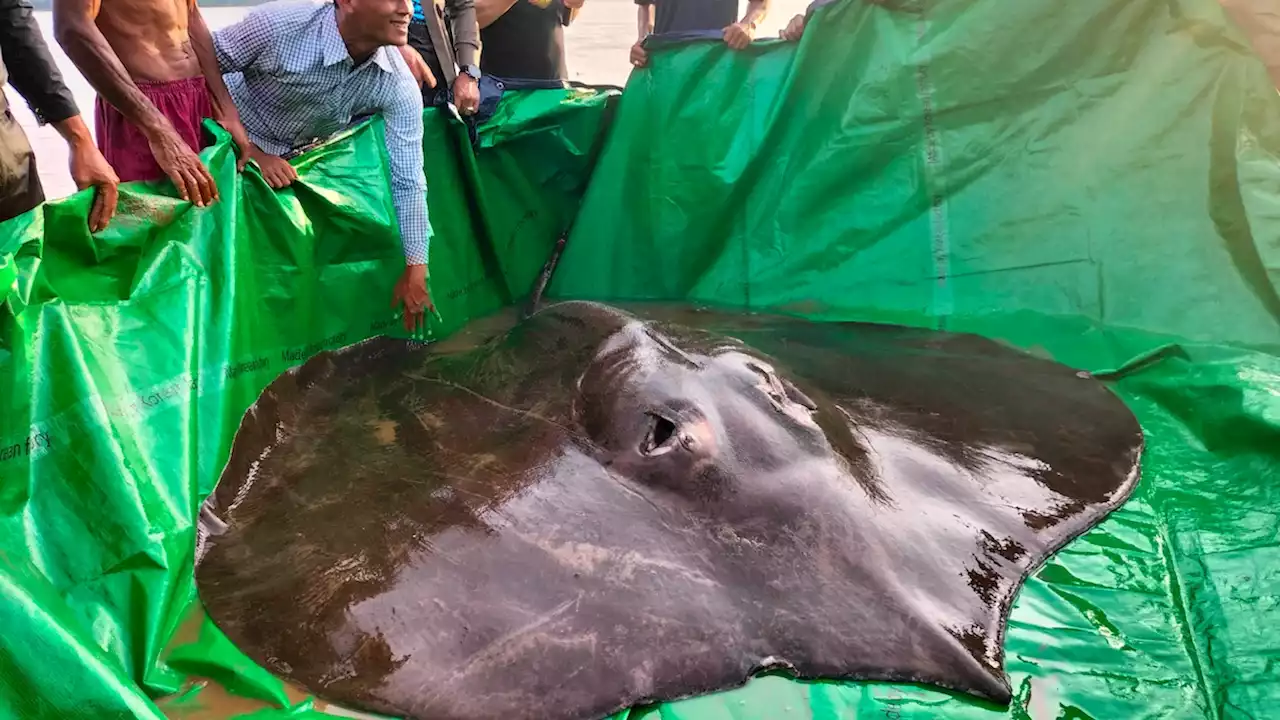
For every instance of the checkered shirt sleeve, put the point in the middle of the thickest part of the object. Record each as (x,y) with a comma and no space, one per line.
(402,114)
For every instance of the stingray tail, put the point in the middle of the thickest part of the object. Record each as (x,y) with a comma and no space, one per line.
(544,277)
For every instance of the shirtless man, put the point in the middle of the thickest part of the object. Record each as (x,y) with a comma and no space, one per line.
(157,78)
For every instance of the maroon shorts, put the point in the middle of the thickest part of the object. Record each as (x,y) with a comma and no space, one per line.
(185,102)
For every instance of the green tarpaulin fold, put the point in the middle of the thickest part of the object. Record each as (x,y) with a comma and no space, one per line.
(1095,181)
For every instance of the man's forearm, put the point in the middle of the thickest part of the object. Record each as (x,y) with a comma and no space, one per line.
(467,53)
(466,31)
(74,131)
(402,137)
(415,227)
(757,10)
(403,141)
(202,44)
(644,21)
(88,49)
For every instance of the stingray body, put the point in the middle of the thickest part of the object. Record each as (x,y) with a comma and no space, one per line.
(597,509)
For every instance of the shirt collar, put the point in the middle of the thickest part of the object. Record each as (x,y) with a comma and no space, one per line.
(335,50)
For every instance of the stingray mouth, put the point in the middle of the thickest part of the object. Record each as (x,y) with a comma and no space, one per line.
(661,437)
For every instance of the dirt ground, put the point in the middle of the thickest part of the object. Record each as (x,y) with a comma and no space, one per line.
(1260,20)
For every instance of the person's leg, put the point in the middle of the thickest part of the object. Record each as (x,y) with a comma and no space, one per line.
(185,103)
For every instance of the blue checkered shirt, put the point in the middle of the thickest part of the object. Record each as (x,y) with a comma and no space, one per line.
(294,82)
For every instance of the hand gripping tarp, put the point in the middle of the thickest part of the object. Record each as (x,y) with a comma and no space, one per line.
(1097,181)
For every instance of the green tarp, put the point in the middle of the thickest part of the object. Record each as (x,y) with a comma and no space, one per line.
(1097,181)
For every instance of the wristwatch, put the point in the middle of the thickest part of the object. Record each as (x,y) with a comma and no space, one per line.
(471,70)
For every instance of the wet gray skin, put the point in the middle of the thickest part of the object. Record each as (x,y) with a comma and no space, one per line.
(594,511)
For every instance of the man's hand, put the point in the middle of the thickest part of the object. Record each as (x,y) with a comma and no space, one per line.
(183,166)
(466,94)
(90,169)
(419,67)
(241,137)
(639,57)
(738,35)
(794,29)
(275,170)
(412,291)
(572,4)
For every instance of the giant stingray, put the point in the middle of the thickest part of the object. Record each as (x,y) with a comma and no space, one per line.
(597,509)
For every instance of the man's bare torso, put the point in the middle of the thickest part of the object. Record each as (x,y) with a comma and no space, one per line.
(150,37)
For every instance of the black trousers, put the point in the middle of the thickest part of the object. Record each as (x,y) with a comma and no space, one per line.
(420,40)
(20,188)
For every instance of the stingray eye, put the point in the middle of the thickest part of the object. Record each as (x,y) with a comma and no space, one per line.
(771,384)
(661,436)
(765,374)
(780,389)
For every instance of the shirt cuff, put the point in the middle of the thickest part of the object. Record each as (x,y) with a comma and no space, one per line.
(415,253)
(55,110)
(415,239)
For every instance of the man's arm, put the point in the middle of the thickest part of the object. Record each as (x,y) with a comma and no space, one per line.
(795,28)
(740,34)
(569,11)
(466,30)
(757,11)
(90,169)
(224,110)
(644,19)
(31,69)
(402,115)
(644,26)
